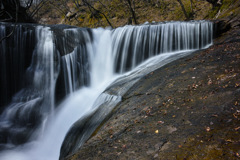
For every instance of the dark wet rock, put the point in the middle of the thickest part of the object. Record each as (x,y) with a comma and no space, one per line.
(84,127)
(66,39)
(188,109)
(220,27)
(14,60)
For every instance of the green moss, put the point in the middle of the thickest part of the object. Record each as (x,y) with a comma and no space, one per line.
(229,9)
(212,13)
(178,13)
(226,9)
(118,12)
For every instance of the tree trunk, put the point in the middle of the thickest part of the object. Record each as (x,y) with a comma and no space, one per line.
(183,8)
(215,3)
(191,5)
(97,11)
(12,11)
(132,11)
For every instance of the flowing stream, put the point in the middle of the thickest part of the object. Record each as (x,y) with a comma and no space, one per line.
(54,76)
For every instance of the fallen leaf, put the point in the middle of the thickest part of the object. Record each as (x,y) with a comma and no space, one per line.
(209,82)
(155,156)
(205,97)
(208,129)
(237,154)
(171,129)
(236,103)
(160,122)
(237,128)
(119,153)
(237,85)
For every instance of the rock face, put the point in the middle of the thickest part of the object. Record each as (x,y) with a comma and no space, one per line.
(14,60)
(189,109)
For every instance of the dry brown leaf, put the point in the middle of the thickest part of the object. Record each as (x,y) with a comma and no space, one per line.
(237,128)
(236,103)
(208,129)
(160,122)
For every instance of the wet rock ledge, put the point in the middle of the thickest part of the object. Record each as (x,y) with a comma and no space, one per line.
(188,109)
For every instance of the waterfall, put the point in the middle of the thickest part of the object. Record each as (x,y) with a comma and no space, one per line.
(55,77)
(36,99)
(132,45)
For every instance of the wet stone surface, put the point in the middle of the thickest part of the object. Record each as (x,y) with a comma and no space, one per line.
(188,109)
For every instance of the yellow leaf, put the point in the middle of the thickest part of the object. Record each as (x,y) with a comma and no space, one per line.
(208,129)
(236,103)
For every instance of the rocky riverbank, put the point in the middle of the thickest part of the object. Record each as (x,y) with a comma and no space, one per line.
(188,109)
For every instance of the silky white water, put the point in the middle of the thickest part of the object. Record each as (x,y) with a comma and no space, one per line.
(110,51)
(80,103)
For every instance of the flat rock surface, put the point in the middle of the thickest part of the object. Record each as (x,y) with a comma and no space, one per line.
(188,109)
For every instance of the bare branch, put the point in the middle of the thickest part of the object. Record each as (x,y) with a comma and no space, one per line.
(16,20)
(183,8)
(8,19)
(91,7)
(37,8)
(132,11)
(102,4)
(28,4)
(77,3)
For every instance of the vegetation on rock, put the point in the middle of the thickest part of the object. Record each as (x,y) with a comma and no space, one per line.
(102,13)
(114,13)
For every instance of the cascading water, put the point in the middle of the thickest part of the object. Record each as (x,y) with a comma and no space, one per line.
(79,65)
(36,99)
(133,45)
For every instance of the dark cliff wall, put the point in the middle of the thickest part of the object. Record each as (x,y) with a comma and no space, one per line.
(15,56)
